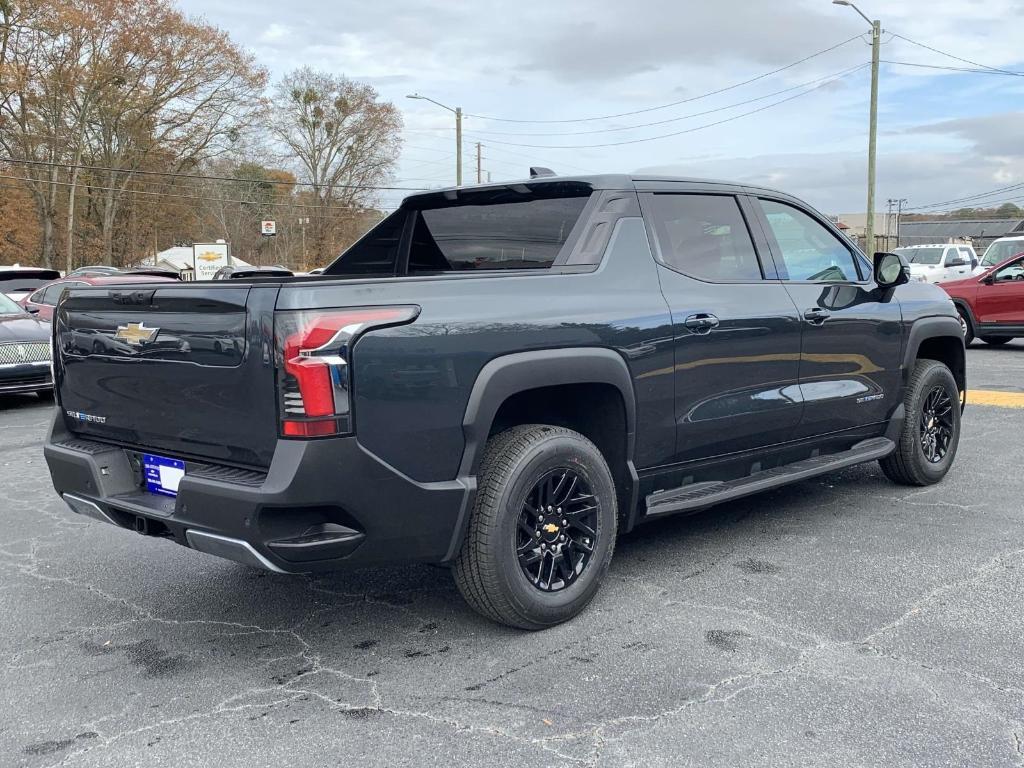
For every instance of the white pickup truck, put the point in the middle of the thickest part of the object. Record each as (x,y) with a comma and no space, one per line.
(940,262)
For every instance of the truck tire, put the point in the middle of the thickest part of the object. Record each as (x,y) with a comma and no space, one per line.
(542,530)
(931,432)
(965,325)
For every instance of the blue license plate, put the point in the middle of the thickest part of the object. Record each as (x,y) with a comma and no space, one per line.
(162,474)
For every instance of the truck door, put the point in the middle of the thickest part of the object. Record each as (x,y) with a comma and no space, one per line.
(851,350)
(957,266)
(736,330)
(1001,302)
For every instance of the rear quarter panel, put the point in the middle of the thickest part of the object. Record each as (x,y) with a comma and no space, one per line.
(412,383)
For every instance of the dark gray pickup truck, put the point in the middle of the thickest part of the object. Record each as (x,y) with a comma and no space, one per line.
(502,378)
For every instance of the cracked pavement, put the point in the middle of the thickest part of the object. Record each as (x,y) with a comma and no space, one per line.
(841,621)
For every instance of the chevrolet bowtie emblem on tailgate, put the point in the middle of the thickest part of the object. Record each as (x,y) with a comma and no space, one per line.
(136,333)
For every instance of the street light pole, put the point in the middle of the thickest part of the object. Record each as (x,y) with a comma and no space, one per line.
(458,132)
(876,44)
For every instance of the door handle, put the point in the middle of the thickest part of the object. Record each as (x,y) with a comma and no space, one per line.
(702,323)
(816,315)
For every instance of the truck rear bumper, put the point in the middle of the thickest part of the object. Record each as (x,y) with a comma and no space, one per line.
(322,505)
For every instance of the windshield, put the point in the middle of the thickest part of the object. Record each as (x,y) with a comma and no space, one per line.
(922,255)
(1000,251)
(8,307)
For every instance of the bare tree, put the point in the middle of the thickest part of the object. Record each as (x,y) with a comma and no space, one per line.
(186,92)
(343,141)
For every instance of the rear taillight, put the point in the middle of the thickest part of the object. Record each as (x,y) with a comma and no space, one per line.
(314,349)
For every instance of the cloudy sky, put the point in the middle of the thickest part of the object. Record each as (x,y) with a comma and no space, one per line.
(943,134)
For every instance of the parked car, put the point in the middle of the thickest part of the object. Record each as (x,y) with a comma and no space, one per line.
(501,378)
(97,270)
(998,252)
(247,273)
(24,351)
(155,272)
(42,301)
(937,263)
(991,306)
(17,282)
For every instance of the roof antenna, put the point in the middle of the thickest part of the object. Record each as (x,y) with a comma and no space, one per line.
(539,170)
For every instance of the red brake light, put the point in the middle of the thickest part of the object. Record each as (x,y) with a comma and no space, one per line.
(313,354)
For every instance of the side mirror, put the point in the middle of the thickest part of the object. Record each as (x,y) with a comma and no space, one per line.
(890,270)
(33,310)
(988,279)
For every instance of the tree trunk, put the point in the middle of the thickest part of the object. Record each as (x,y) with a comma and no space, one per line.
(69,248)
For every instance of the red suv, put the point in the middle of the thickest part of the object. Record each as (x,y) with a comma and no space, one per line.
(41,302)
(991,305)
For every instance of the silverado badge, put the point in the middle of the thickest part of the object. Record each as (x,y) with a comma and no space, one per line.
(136,333)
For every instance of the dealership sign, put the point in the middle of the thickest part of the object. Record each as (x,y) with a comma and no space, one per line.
(268,228)
(208,258)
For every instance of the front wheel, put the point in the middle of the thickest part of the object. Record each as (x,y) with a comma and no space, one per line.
(965,326)
(543,528)
(931,431)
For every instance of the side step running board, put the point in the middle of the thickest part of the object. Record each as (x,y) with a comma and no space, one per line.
(697,496)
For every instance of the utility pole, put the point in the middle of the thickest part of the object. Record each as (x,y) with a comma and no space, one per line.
(458,146)
(876,44)
(899,214)
(458,132)
(479,166)
(888,221)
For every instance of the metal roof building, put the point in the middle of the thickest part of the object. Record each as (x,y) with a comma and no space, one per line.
(981,232)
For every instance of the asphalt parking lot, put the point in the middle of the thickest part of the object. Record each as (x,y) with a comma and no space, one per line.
(842,621)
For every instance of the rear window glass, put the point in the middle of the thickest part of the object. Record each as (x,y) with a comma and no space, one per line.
(376,253)
(526,234)
(14,284)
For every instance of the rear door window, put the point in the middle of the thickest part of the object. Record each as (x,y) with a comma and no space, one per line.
(808,250)
(704,236)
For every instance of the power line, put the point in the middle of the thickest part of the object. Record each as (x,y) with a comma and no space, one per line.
(675,103)
(791,88)
(204,177)
(968,198)
(677,133)
(958,58)
(201,197)
(954,69)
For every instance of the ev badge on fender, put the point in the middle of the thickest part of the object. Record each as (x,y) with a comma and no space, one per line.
(136,333)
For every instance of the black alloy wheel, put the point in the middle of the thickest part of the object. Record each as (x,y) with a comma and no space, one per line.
(936,424)
(557,530)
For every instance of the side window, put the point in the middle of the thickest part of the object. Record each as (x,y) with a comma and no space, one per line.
(1014,271)
(952,256)
(37,297)
(705,236)
(808,250)
(52,293)
(968,256)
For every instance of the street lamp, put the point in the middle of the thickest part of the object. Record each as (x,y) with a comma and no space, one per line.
(458,133)
(876,41)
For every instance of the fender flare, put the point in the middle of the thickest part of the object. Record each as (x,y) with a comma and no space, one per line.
(511,374)
(932,328)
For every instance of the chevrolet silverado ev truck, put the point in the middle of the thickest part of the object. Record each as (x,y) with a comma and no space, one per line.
(501,379)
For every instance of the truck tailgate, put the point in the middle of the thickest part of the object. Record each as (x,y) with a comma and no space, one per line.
(181,370)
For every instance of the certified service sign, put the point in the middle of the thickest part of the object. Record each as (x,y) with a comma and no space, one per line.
(268,228)
(208,258)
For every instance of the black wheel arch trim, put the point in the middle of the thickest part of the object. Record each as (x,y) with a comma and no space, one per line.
(927,328)
(508,375)
(963,305)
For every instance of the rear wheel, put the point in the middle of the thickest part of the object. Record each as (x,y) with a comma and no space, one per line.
(931,431)
(542,530)
(996,341)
